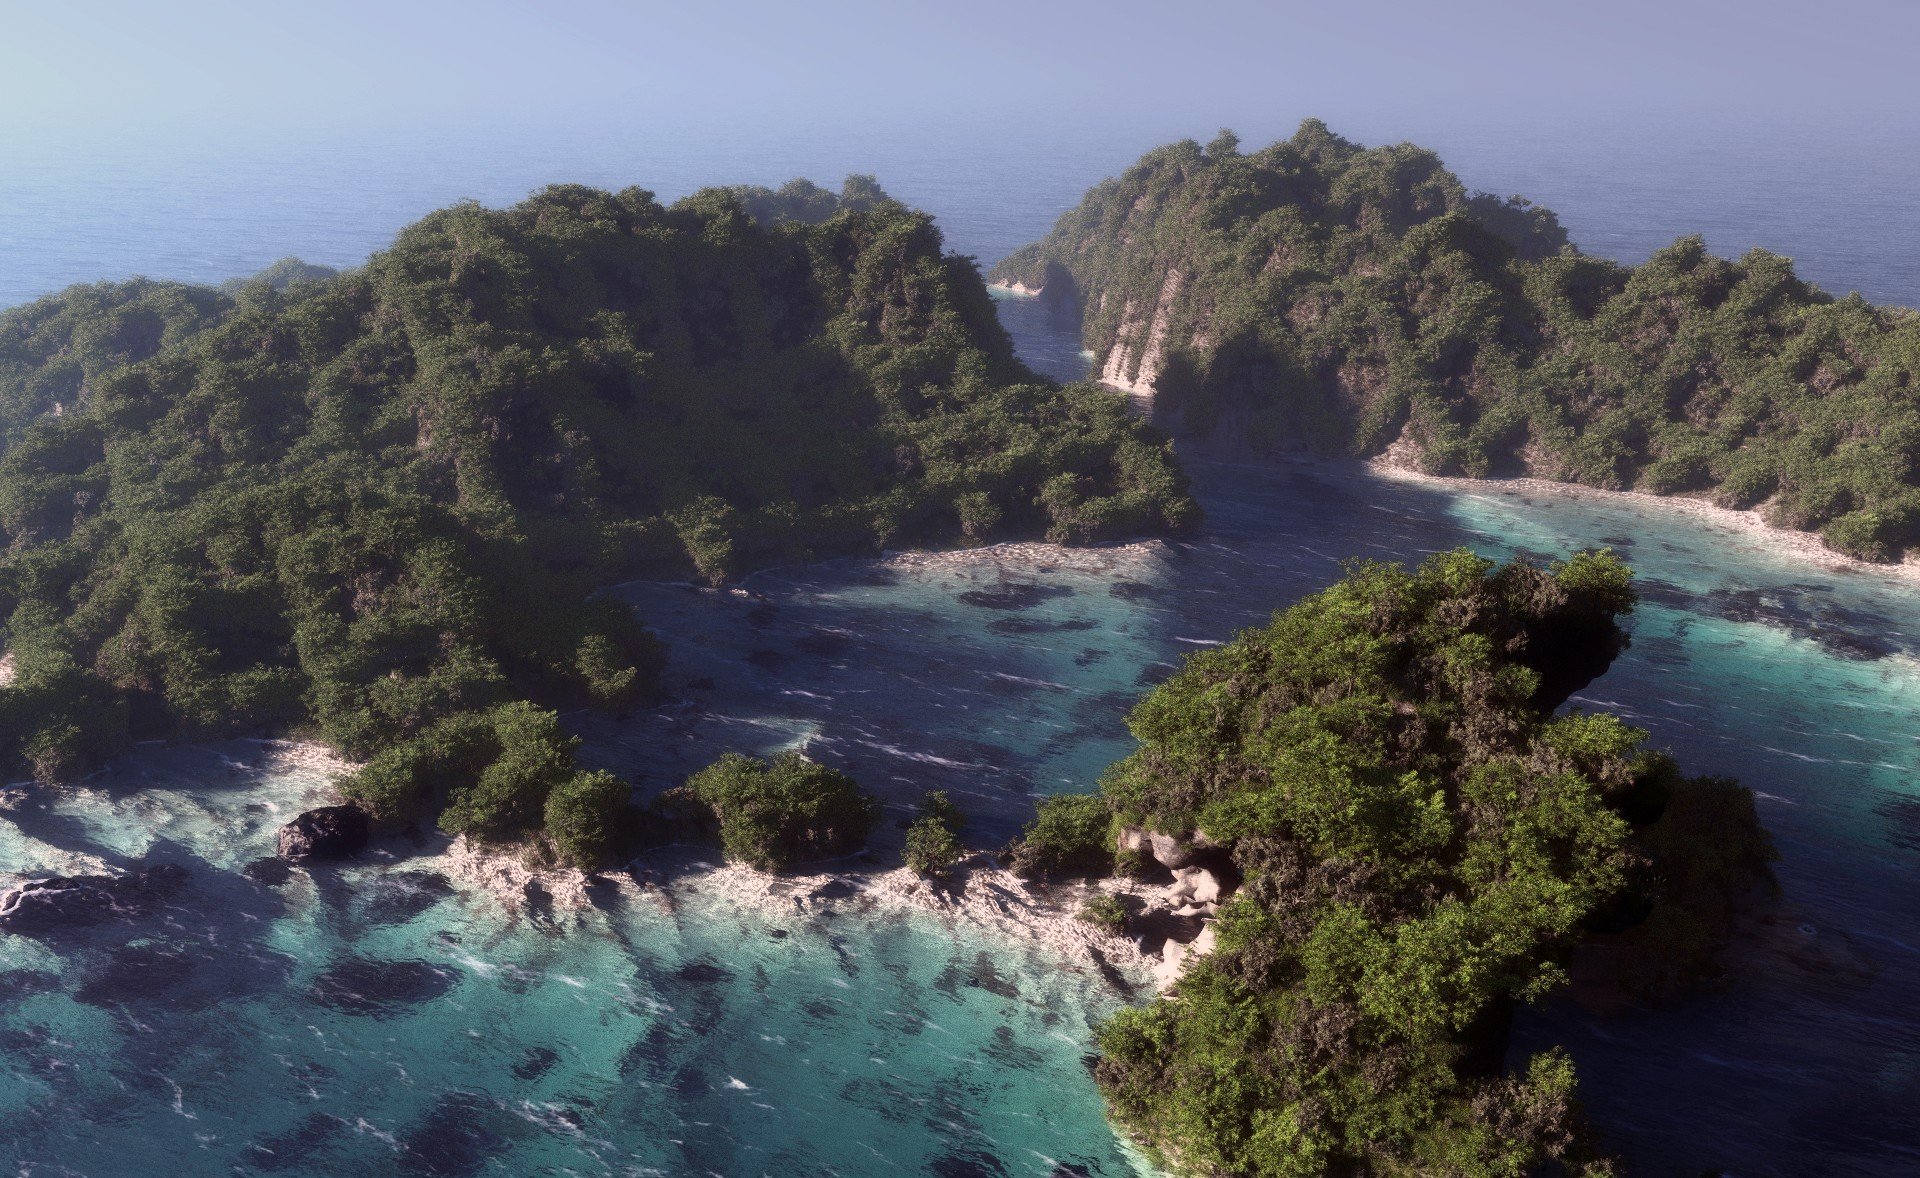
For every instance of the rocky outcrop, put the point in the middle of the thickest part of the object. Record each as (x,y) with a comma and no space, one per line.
(330,832)
(1175,956)
(1134,363)
(1176,921)
(59,903)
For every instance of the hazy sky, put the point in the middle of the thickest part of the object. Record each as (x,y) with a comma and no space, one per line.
(79,64)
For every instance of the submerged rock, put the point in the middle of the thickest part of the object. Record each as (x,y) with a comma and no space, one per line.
(395,897)
(330,832)
(60,902)
(362,985)
(1013,595)
(535,1063)
(297,1146)
(271,871)
(456,1136)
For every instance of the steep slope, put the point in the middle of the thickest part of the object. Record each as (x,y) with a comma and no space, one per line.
(1323,296)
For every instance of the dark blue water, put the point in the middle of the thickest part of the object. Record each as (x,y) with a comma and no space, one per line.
(213,203)
(222,1035)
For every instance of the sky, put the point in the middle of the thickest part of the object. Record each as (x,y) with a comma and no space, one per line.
(200,139)
(82,65)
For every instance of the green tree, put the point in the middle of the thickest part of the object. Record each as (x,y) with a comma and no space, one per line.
(790,810)
(933,845)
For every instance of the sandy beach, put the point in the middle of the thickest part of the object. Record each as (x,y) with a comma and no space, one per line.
(1748,528)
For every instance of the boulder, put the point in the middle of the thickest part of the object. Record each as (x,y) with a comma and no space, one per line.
(1133,840)
(1172,853)
(1175,957)
(1196,885)
(59,902)
(330,832)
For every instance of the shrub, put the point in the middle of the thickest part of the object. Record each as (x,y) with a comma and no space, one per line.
(1106,912)
(1422,844)
(790,810)
(1070,835)
(583,817)
(1336,298)
(932,846)
(366,505)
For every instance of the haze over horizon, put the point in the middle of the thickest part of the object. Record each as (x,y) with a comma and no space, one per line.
(114,63)
(204,140)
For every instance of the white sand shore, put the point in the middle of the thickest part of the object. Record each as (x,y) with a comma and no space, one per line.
(1750,529)
(1016,288)
(283,755)
(1026,555)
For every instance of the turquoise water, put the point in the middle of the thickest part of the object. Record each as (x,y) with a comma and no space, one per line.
(375,1020)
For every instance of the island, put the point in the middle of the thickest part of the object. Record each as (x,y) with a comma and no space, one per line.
(374,508)
(1321,297)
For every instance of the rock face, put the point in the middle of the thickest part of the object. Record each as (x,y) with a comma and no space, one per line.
(1175,956)
(62,902)
(1172,853)
(1196,885)
(1175,922)
(330,832)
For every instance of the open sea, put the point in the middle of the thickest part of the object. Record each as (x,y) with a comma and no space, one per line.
(380,1020)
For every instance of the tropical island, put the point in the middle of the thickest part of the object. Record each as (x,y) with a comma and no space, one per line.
(376,510)
(1319,296)
(1384,837)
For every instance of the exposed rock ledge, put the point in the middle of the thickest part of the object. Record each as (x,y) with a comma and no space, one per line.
(980,895)
(6,668)
(1173,917)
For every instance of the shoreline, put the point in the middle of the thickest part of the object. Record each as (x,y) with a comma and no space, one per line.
(1749,524)
(1019,290)
(980,896)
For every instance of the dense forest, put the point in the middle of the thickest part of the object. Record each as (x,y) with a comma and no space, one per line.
(1323,296)
(1420,845)
(374,507)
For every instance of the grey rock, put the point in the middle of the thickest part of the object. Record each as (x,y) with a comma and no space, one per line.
(60,902)
(330,832)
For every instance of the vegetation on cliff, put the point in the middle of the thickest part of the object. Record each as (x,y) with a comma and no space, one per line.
(1423,846)
(1319,295)
(374,507)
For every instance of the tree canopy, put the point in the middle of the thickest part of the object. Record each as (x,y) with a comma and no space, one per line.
(374,507)
(1424,844)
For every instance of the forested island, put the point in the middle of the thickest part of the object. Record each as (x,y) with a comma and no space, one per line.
(374,508)
(1385,837)
(1325,297)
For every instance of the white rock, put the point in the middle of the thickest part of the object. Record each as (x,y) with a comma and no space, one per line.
(1197,884)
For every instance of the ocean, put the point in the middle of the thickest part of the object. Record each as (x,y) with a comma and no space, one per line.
(381,1019)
